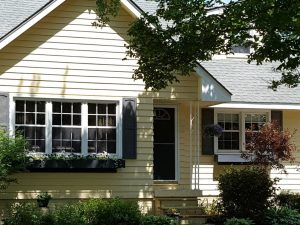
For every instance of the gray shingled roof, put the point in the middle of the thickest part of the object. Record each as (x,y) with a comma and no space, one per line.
(146,6)
(249,82)
(14,12)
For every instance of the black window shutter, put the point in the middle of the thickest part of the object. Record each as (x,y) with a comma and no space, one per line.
(4,110)
(276,116)
(129,128)
(207,141)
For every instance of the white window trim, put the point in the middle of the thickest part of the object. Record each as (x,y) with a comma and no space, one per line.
(242,114)
(84,125)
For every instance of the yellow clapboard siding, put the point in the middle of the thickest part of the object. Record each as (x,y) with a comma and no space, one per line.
(63,56)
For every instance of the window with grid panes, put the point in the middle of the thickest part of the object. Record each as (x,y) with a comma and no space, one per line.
(253,122)
(69,133)
(235,126)
(66,127)
(30,121)
(229,140)
(101,128)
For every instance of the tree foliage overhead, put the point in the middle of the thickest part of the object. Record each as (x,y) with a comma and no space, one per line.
(182,33)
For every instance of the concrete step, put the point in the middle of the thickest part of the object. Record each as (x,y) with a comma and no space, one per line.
(192,221)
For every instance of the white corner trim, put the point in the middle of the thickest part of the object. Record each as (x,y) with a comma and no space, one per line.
(16,33)
(257,106)
(130,8)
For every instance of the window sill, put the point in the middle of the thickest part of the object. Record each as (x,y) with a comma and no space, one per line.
(76,165)
(233,158)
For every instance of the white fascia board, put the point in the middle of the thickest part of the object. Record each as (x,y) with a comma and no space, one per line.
(130,8)
(258,106)
(30,23)
(211,89)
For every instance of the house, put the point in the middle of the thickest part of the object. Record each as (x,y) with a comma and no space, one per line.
(65,85)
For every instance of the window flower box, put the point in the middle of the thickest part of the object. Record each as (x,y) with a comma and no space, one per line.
(76,165)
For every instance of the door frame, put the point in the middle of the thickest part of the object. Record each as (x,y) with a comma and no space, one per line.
(177,168)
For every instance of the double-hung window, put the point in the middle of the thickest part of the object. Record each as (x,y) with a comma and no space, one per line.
(235,125)
(68,127)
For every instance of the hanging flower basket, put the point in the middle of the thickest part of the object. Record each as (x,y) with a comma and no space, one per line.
(213,130)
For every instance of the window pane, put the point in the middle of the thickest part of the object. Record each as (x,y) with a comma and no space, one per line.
(220,117)
(91,108)
(101,146)
(30,118)
(20,118)
(92,134)
(56,133)
(111,121)
(20,106)
(40,144)
(76,107)
(56,146)
(40,106)
(235,126)
(66,133)
(101,109)
(66,119)
(111,147)
(56,107)
(76,134)
(76,145)
(101,134)
(56,119)
(77,120)
(92,147)
(92,121)
(40,133)
(111,134)
(101,121)
(235,145)
(40,119)
(235,118)
(111,108)
(30,106)
(30,132)
(228,126)
(66,107)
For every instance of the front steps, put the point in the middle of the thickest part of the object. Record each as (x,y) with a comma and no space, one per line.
(184,202)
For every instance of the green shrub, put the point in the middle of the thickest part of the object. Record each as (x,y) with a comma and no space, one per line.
(69,214)
(156,220)
(281,216)
(111,212)
(245,193)
(288,199)
(28,214)
(12,157)
(236,221)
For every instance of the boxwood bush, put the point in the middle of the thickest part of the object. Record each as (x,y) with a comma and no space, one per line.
(246,192)
(289,199)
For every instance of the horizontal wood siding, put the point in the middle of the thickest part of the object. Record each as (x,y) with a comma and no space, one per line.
(64,56)
(291,180)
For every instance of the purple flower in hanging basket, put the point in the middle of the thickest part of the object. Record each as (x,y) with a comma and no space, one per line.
(213,130)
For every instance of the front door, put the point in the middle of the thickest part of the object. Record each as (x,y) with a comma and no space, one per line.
(164,143)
